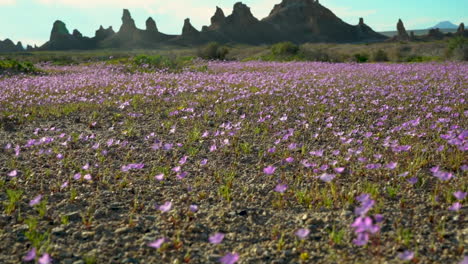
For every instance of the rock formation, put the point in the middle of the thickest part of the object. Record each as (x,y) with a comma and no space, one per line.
(435,33)
(461,29)
(77,34)
(151,25)
(402,34)
(19,46)
(61,39)
(29,48)
(188,29)
(9,46)
(128,24)
(102,33)
(217,20)
(59,31)
(298,21)
(309,21)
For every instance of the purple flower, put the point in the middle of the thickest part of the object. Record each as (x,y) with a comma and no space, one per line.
(64,185)
(229,258)
(413,180)
(406,255)
(203,162)
(193,208)
(366,204)
(133,166)
(213,148)
(216,238)
(327,177)
(86,166)
(289,159)
(391,165)
(361,239)
(459,195)
(378,218)
(176,169)
(365,224)
(404,174)
(339,170)
(281,188)
(465,260)
(157,243)
(159,177)
(182,175)
(31,255)
(269,170)
(165,207)
(36,200)
(302,233)
(45,259)
(87,177)
(13,173)
(443,176)
(77,176)
(183,160)
(455,207)
(168,146)
(317,153)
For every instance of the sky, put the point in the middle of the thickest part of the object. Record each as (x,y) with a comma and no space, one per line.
(30,21)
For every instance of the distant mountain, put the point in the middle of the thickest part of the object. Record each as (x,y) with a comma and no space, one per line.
(445,25)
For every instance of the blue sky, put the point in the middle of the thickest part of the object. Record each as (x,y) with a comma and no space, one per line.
(30,21)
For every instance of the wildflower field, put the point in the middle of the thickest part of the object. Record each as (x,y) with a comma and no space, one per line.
(254,162)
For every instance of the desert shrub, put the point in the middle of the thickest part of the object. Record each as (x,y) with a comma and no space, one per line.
(284,49)
(380,56)
(213,51)
(418,58)
(147,63)
(361,57)
(314,55)
(61,60)
(13,66)
(457,48)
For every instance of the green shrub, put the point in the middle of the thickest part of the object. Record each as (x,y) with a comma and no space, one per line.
(13,66)
(315,55)
(380,56)
(284,49)
(213,51)
(159,62)
(457,48)
(361,57)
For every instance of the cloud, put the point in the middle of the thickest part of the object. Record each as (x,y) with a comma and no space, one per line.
(7,2)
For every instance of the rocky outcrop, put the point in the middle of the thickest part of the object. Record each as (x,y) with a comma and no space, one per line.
(9,46)
(188,29)
(217,20)
(298,21)
(461,30)
(309,21)
(61,39)
(402,34)
(59,31)
(128,24)
(19,46)
(131,37)
(151,25)
(435,34)
(77,34)
(102,33)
